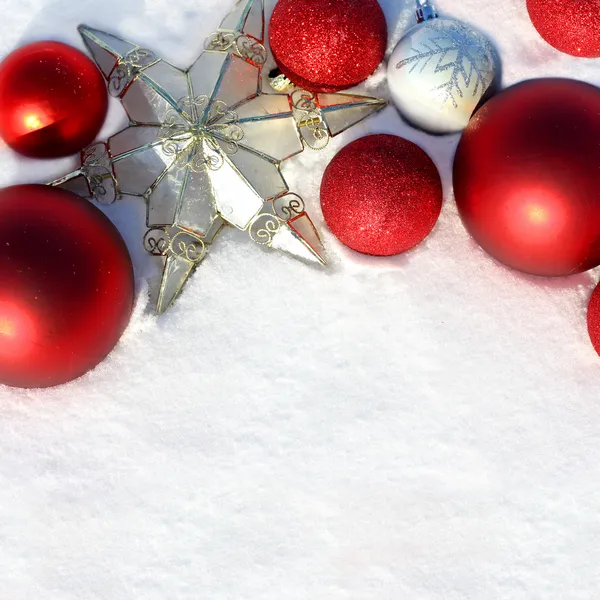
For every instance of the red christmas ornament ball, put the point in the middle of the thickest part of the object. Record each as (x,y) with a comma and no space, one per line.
(593,319)
(66,286)
(53,100)
(527,177)
(328,45)
(571,26)
(381,195)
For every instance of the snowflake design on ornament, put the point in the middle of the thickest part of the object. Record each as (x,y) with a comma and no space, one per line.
(458,50)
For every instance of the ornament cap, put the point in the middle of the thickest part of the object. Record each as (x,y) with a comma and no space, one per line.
(425,11)
(279,82)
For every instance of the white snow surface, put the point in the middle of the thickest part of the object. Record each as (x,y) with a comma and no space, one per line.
(424,427)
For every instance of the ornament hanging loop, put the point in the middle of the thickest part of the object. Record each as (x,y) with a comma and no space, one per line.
(425,11)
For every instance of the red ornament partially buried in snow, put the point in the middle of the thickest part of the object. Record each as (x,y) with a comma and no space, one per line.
(66,286)
(571,26)
(53,100)
(593,319)
(381,195)
(328,45)
(527,177)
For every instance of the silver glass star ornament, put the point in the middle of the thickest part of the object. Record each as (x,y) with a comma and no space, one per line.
(204,146)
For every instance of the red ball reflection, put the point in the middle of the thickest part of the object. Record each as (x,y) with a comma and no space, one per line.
(527,177)
(66,286)
(53,100)
(18,333)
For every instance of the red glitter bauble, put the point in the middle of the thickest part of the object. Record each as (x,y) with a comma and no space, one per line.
(66,286)
(527,177)
(328,45)
(53,100)
(381,195)
(593,319)
(571,26)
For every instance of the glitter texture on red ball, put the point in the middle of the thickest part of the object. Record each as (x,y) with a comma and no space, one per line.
(593,319)
(571,26)
(527,177)
(328,45)
(53,100)
(381,195)
(66,286)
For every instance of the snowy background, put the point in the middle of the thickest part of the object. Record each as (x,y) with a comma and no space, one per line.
(423,427)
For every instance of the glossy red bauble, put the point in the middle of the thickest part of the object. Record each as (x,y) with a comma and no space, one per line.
(571,26)
(66,286)
(527,177)
(53,100)
(593,319)
(381,195)
(328,45)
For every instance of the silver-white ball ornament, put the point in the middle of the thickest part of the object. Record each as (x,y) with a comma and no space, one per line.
(439,72)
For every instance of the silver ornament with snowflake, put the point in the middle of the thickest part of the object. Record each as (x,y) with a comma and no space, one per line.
(439,73)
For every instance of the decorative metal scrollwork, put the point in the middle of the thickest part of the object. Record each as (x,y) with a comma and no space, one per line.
(140,58)
(305,102)
(102,184)
(220,41)
(128,68)
(308,115)
(97,168)
(188,246)
(289,206)
(96,154)
(175,241)
(219,115)
(193,108)
(251,49)
(199,139)
(190,153)
(157,241)
(266,225)
(263,228)
(243,45)
(198,158)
